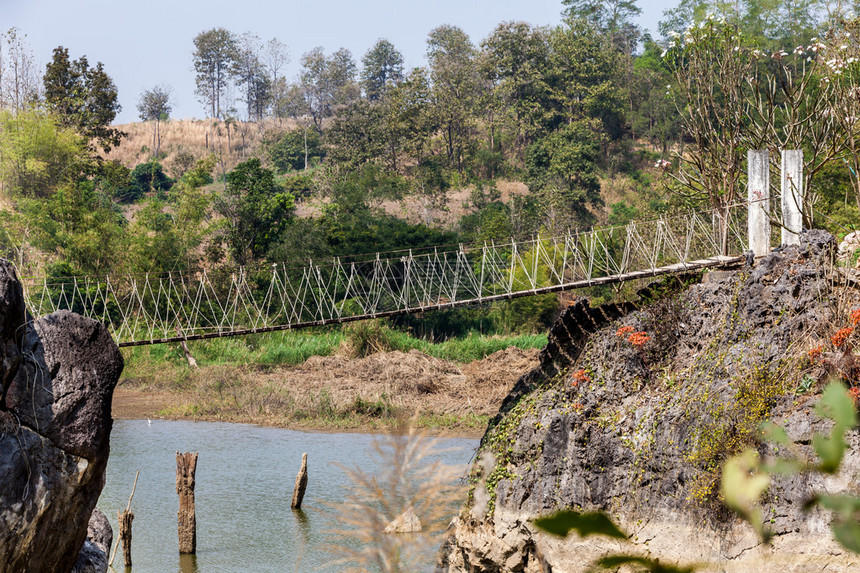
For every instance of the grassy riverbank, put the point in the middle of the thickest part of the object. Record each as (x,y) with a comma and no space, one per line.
(358,379)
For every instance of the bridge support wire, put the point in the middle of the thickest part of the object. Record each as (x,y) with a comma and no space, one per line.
(214,303)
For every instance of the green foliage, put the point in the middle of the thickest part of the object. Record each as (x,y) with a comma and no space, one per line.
(327,82)
(83,98)
(490,223)
(293,150)
(79,224)
(299,186)
(154,104)
(612,562)
(357,134)
(562,168)
(563,522)
(146,178)
(37,155)
(622,213)
(257,211)
(381,70)
(746,477)
(214,51)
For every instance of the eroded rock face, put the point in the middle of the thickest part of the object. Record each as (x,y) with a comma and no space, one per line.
(55,426)
(634,430)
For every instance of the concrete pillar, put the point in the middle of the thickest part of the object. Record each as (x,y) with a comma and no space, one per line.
(792,196)
(758,195)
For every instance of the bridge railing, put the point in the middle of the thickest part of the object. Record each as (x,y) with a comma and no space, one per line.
(204,303)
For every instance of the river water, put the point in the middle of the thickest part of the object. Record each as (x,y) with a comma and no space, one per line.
(245,478)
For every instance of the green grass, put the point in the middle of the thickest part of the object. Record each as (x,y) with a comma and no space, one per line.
(295,347)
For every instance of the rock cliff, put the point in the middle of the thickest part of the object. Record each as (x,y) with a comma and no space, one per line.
(58,375)
(635,407)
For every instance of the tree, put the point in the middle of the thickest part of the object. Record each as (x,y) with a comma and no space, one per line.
(562,170)
(277,55)
(19,80)
(256,209)
(251,75)
(327,82)
(214,50)
(710,68)
(582,82)
(613,18)
(79,224)
(154,105)
(37,155)
(456,86)
(357,134)
(83,98)
(408,120)
(515,62)
(293,150)
(382,69)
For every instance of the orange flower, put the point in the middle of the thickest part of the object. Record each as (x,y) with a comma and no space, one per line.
(580,376)
(815,353)
(624,331)
(638,338)
(855,394)
(841,336)
(855,317)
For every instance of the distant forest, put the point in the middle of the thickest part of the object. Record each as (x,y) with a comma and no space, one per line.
(534,129)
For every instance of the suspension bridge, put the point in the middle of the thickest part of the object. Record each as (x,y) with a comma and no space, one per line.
(197,304)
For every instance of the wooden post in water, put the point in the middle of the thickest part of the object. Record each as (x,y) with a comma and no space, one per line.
(186,466)
(125,519)
(301,484)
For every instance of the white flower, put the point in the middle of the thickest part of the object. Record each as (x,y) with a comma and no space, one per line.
(798,50)
(663,55)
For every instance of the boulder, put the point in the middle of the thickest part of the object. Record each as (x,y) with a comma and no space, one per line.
(407,522)
(59,373)
(93,557)
(640,432)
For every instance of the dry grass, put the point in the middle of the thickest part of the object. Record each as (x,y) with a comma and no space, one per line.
(336,392)
(233,143)
(407,481)
(447,216)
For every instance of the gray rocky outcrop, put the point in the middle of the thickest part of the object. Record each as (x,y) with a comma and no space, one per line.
(58,376)
(93,557)
(640,431)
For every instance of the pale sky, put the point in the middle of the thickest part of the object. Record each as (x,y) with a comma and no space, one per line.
(149,42)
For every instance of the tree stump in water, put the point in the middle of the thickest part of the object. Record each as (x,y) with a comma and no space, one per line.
(186,466)
(301,484)
(125,519)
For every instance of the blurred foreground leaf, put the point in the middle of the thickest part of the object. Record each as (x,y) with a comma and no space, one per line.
(585,524)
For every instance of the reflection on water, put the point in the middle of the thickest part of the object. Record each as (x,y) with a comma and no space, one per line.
(245,477)
(187,563)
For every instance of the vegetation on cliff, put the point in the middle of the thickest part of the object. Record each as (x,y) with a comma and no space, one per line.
(642,431)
